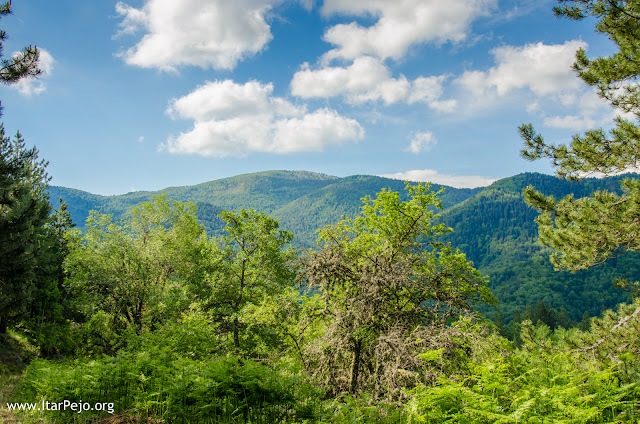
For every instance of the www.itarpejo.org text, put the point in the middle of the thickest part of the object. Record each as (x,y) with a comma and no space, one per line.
(65,405)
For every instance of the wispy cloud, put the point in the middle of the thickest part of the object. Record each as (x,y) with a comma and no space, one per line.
(422,142)
(430,175)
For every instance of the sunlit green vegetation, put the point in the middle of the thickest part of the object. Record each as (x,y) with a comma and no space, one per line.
(375,325)
(147,315)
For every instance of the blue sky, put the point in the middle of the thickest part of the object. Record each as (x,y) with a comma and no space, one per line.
(146,94)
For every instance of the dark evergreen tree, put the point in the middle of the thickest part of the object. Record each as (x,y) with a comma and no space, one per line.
(587,231)
(52,308)
(24,202)
(24,211)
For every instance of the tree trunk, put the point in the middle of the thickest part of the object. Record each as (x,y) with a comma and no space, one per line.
(355,366)
(4,323)
(236,337)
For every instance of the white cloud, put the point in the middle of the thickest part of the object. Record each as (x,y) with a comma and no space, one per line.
(571,122)
(540,76)
(209,34)
(233,119)
(367,79)
(400,24)
(34,86)
(140,139)
(422,142)
(429,90)
(543,69)
(430,175)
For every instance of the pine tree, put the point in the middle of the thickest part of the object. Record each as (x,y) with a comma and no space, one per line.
(24,211)
(24,202)
(587,231)
(21,65)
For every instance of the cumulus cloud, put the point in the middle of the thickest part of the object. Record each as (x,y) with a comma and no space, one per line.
(422,142)
(209,34)
(233,119)
(367,79)
(543,73)
(34,86)
(400,25)
(430,175)
(593,112)
(543,69)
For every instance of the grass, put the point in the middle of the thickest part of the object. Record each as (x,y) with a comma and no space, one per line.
(15,354)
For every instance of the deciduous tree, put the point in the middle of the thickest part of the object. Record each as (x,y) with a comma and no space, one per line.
(387,279)
(136,274)
(251,262)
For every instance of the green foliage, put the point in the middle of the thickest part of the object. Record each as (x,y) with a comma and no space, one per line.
(361,409)
(156,382)
(544,381)
(290,318)
(249,264)
(51,311)
(385,277)
(135,275)
(24,212)
(21,65)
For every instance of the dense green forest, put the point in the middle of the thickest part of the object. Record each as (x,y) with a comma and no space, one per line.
(493,226)
(151,317)
(293,297)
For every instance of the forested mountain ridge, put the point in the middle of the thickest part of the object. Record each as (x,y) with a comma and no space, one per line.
(302,201)
(496,229)
(262,190)
(493,226)
(500,213)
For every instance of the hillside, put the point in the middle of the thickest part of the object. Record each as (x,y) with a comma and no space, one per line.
(497,230)
(302,201)
(492,226)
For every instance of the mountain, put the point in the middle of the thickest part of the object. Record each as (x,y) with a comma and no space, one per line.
(496,229)
(492,225)
(302,201)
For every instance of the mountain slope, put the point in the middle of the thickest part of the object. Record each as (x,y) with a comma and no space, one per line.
(302,201)
(493,226)
(497,231)
(327,205)
(264,191)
